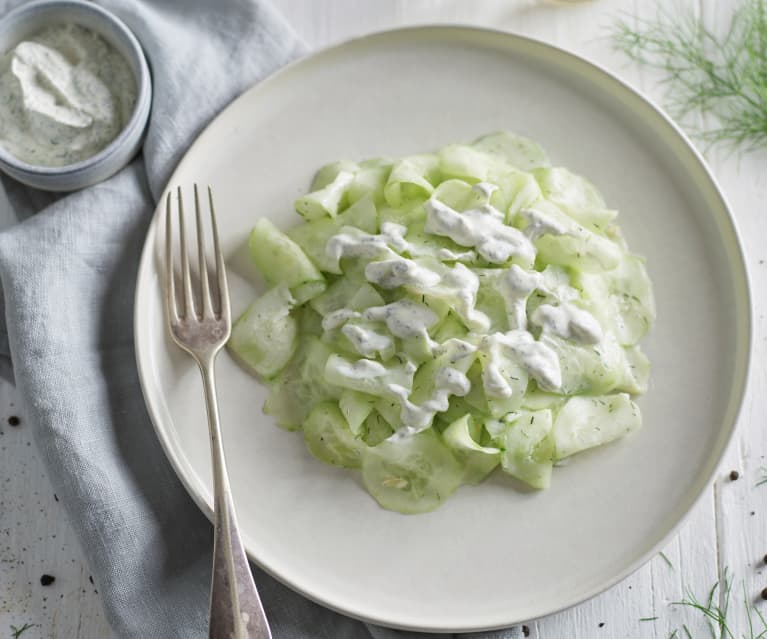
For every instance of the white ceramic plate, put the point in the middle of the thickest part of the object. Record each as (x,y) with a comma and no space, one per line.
(492,555)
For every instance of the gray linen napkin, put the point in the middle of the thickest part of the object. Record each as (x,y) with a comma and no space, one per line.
(68,276)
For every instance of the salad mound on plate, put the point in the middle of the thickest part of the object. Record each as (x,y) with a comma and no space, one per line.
(440,315)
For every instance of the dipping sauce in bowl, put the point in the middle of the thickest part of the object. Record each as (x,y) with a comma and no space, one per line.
(65,94)
(75,94)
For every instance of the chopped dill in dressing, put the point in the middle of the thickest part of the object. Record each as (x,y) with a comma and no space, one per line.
(65,94)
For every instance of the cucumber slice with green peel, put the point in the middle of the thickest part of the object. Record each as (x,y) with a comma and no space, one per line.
(478,461)
(411,178)
(355,407)
(632,291)
(586,422)
(529,448)
(518,151)
(313,236)
(539,400)
(264,337)
(341,293)
(329,438)
(467,163)
(300,385)
(587,251)
(450,327)
(326,174)
(309,321)
(576,196)
(589,368)
(638,374)
(458,194)
(376,429)
(281,261)
(457,408)
(390,409)
(490,301)
(370,179)
(516,191)
(411,475)
(621,298)
(327,201)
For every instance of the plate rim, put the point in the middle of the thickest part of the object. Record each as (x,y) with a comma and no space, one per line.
(716,200)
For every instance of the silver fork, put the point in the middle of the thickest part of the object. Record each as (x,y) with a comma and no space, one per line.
(235,607)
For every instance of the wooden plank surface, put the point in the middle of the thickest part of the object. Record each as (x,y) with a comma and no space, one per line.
(728,528)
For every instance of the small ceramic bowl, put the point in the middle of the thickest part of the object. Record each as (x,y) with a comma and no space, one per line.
(31,18)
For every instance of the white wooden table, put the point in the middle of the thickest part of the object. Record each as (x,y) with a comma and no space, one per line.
(728,528)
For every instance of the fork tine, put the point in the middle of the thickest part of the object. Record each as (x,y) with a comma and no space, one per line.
(170,284)
(189,310)
(223,289)
(207,306)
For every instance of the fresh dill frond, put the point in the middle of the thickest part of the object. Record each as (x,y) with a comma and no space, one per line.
(725,78)
(715,613)
(666,559)
(16,632)
(648,618)
(762,475)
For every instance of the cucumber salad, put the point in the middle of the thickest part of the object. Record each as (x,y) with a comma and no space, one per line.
(440,315)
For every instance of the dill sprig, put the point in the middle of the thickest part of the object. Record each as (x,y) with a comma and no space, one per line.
(666,559)
(721,77)
(716,607)
(762,475)
(16,632)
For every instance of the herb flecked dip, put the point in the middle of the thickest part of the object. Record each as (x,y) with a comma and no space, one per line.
(65,94)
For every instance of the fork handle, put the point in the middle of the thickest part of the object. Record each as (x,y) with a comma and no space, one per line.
(235,607)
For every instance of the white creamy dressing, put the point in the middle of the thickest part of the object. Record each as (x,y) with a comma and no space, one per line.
(539,223)
(446,255)
(400,271)
(515,286)
(366,341)
(65,94)
(404,318)
(448,380)
(540,361)
(484,230)
(568,321)
(362,368)
(459,285)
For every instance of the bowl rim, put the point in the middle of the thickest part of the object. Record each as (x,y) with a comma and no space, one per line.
(141,108)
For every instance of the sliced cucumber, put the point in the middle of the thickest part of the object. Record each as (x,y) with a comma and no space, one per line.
(370,179)
(355,407)
(576,196)
(313,236)
(411,178)
(520,152)
(280,260)
(376,429)
(586,422)
(466,163)
(264,337)
(326,174)
(478,461)
(528,448)
(329,438)
(411,475)
(327,201)
(300,385)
